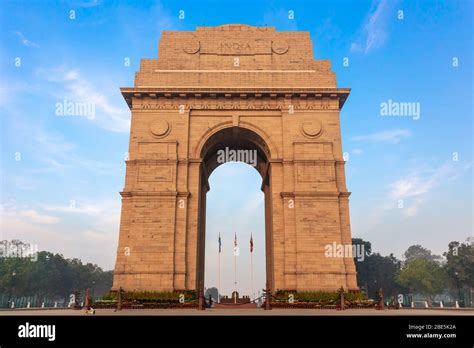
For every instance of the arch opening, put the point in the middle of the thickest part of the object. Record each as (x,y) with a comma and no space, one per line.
(233,144)
(235,211)
(241,140)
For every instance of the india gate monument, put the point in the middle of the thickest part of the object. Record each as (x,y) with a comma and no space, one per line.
(244,88)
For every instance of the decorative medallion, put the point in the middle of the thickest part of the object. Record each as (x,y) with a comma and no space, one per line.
(192,46)
(312,129)
(160,128)
(280,46)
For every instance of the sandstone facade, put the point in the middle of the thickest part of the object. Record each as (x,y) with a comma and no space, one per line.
(240,87)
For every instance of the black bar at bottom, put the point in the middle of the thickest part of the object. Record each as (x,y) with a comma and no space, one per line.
(223,330)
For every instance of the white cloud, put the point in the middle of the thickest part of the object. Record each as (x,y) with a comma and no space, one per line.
(390,136)
(420,181)
(25,41)
(414,188)
(34,216)
(411,187)
(11,210)
(76,88)
(96,242)
(374,31)
(412,210)
(88,209)
(58,155)
(91,3)
(357,152)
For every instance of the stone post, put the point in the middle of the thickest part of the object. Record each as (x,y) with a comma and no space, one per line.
(268,297)
(119,299)
(88,298)
(77,305)
(381,301)
(341,294)
(202,300)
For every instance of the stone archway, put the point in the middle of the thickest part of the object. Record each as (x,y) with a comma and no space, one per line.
(242,86)
(240,140)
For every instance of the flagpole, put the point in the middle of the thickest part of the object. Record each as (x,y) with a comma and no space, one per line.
(218,277)
(236,249)
(235,273)
(251,265)
(251,273)
(219,270)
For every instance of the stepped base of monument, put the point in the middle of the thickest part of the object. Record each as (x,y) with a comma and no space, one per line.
(234,306)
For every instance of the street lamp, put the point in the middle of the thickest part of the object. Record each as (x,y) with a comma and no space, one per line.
(456,273)
(13,287)
(93,284)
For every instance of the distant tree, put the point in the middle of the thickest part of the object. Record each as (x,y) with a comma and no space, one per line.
(362,266)
(382,273)
(423,276)
(418,252)
(367,245)
(50,275)
(377,271)
(460,266)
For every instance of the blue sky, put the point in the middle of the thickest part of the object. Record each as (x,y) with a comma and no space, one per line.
(60,175)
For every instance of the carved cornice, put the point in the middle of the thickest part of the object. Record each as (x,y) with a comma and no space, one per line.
(151,161)
(235,98)
(199,160)
(335,194)
(154,194)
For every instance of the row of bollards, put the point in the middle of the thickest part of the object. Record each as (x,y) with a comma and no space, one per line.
(28,304)
(441,305)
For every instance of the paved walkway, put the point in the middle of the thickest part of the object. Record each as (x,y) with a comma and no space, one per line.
(260,312)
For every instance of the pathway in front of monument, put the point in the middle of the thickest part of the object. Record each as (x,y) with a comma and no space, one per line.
(246,312)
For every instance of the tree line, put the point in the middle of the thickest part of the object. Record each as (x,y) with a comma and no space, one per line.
(46,274)
(420,272)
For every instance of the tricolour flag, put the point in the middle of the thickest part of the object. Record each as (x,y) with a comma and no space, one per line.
(220,243)
(251,243)
(236,247)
